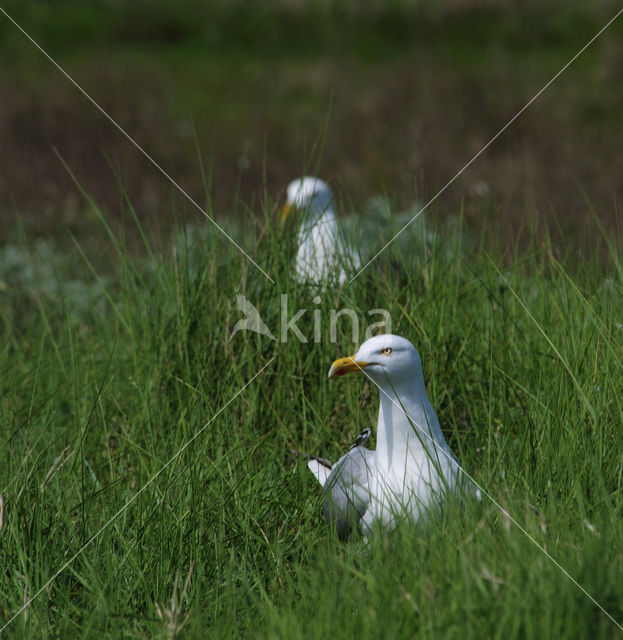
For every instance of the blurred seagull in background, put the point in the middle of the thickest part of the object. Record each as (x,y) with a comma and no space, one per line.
(323,256)
(412,468)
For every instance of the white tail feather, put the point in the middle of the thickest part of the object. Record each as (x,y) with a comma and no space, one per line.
(319,469)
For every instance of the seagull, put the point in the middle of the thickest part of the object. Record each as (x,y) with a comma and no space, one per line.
(412,468)
(323,256)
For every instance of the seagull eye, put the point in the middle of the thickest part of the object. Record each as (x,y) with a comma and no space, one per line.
(386,351)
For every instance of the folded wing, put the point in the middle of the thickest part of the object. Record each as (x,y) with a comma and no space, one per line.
(347,487)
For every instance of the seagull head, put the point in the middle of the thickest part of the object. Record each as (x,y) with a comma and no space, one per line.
(384,358)
(307,194)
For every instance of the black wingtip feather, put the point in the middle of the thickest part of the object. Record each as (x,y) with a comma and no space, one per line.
(362,438)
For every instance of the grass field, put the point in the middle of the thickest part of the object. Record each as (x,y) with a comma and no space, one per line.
(111,364)
(148,485)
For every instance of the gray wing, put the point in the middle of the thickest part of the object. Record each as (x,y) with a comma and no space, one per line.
(347,487)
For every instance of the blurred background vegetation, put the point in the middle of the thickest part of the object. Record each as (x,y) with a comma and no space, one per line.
(236,98)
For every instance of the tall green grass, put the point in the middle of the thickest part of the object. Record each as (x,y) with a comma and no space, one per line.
(522,358)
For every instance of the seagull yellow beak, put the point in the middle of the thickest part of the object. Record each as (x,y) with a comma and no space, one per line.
(342,366)
(287,208)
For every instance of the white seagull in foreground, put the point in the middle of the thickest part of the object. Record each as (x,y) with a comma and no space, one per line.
(412,467)
(323,255)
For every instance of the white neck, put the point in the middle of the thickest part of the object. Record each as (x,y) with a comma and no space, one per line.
(317,216)
(407,429)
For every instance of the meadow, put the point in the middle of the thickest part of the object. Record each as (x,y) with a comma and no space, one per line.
(149,485)
(121,386)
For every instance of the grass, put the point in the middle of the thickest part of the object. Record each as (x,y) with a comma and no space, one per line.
(522,358)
